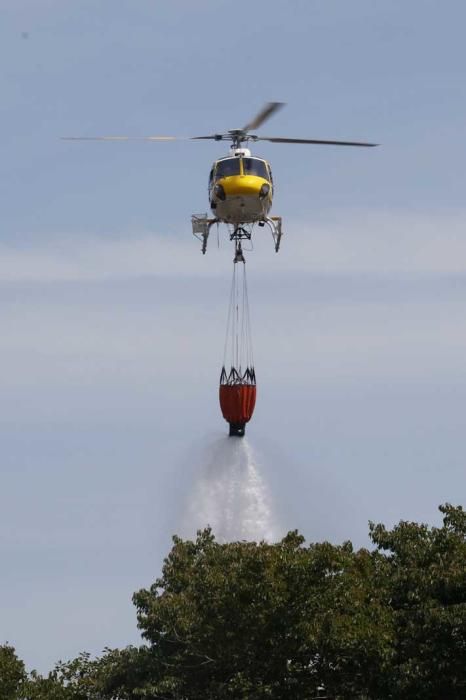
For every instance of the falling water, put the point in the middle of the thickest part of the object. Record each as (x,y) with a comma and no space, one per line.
(230,495)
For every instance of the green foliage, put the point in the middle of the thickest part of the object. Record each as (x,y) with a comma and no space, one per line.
(246,620)
(286,620)
(12,673)
(74,680)
(427,584)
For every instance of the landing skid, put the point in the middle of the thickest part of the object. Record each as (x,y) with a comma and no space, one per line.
(275,225)
(202,224)
(201,228)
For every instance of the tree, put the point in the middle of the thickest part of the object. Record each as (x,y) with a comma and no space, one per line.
(249,620)
(286,620)
(246,620)
(427,585)
(73,680)
(12,673)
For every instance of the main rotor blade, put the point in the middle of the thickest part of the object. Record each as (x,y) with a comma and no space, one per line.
(125,138)
(212,137)
(265,113)
(279,139)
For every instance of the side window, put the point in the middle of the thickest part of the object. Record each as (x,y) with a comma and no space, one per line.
(211,176)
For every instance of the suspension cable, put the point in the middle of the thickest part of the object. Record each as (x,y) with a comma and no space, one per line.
(238,354)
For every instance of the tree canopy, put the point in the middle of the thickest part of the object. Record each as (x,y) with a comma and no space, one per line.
(286,620)
(12,673)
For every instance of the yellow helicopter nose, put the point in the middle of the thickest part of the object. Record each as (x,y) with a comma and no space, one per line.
(243,185)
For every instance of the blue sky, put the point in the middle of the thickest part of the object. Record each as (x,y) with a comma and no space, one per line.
(113,322)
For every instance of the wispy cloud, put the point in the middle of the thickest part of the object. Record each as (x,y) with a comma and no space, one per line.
(378,300)
(85,258)
(378,243)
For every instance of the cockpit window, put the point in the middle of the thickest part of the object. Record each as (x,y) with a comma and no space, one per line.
(254,166)
(227,167)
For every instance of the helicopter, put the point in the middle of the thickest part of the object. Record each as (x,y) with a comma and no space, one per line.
(240,185)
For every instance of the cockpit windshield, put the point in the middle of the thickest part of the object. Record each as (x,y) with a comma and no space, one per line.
(254,166)
(227,167)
